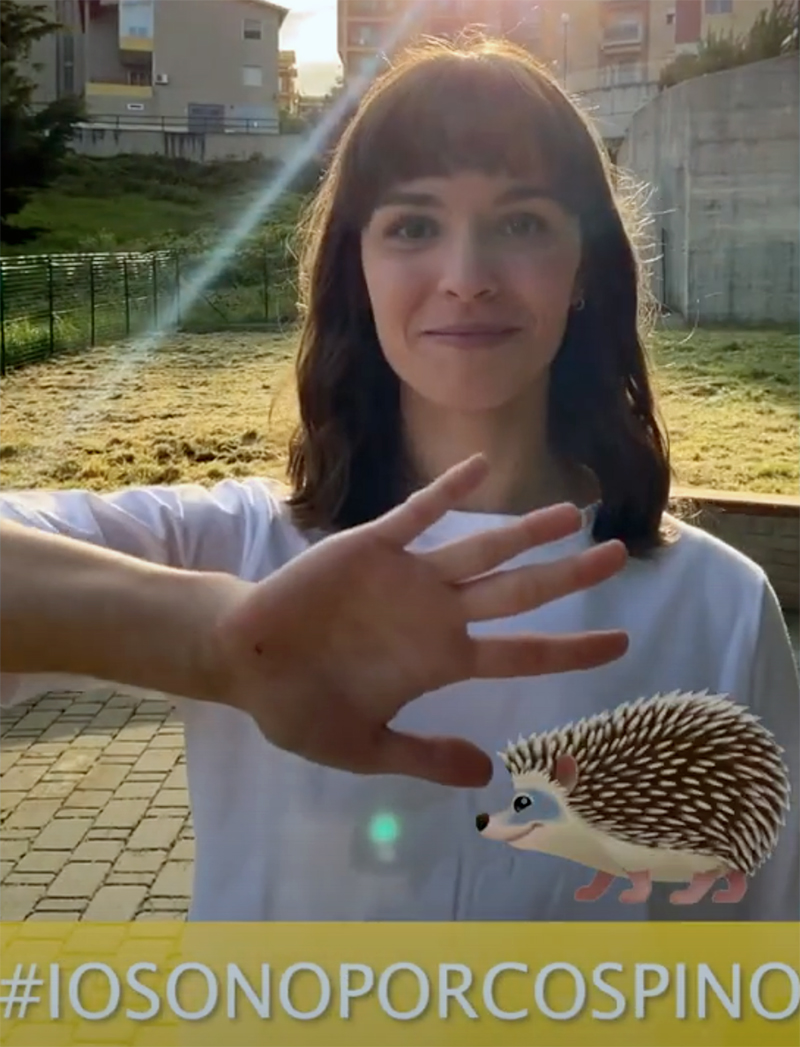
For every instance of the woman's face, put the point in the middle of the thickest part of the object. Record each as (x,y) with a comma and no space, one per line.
(471,279)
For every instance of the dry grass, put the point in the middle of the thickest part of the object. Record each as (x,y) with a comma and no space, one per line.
(199,409)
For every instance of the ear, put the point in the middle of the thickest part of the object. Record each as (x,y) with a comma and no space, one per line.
(577,299)
(566,772)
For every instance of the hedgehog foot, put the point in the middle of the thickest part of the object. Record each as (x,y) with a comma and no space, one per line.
(735,891)
(596,889)
(699,887)
(640,888)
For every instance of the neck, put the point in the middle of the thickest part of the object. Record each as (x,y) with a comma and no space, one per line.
(524,474)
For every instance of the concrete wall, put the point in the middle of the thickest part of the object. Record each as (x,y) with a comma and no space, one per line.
(57,61)
(720,154)
(103,59)
(612,108)
(97,141)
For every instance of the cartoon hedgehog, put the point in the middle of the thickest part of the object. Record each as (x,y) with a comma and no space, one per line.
(680,787)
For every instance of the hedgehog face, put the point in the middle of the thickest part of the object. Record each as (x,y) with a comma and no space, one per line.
(534,812)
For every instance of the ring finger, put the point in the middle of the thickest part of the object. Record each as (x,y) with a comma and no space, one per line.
(511,592)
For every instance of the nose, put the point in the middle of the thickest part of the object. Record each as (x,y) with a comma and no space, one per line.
(467,272)
(481,822)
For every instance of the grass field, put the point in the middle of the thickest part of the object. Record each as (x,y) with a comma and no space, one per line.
(141,203)
(199,409)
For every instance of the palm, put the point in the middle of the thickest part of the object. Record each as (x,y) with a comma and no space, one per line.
(358,627)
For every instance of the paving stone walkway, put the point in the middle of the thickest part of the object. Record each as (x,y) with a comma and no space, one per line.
(95,815)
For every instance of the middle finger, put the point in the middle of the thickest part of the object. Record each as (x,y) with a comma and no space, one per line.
(475,555)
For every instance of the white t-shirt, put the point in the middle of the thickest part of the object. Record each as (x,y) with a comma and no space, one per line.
(278,838)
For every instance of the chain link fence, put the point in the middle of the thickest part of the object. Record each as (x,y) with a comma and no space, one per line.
(55,303)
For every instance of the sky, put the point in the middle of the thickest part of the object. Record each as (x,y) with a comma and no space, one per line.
(310,31)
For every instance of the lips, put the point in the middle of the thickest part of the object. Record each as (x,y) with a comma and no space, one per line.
(476,337)
(473,331)
(523,832)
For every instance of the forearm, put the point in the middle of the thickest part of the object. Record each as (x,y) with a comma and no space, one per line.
(73,608)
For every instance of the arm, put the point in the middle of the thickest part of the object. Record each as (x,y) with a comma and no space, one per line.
(72,608)
(311,648)
(186,527)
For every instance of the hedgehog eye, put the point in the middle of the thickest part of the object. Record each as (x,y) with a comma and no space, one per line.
(521,802)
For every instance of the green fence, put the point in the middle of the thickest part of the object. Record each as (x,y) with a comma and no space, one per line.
(53,303)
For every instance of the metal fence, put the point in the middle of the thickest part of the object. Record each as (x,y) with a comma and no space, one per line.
(195,122)
(53,303)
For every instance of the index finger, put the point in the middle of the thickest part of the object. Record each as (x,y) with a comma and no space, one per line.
(424,507)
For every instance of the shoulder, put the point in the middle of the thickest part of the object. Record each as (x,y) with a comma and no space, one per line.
(239,526)
(719,609)
(702,585)
(707,559)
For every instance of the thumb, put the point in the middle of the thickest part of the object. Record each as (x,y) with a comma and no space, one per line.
(447,761)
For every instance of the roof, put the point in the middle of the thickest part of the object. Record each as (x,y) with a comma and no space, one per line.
(281,12)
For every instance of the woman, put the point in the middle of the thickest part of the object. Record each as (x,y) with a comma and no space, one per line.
(470,372)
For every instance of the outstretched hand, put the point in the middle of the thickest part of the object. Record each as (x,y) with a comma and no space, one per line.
(326,651)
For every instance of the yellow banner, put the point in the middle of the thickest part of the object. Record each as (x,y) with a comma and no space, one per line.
(411,985)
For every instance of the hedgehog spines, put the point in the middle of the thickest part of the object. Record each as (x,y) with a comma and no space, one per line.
(691,771)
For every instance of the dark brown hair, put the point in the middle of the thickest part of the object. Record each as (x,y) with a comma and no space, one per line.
(485,106)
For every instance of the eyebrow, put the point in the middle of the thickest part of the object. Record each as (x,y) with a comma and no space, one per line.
(516,194)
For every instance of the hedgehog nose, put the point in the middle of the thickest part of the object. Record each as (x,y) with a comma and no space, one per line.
(481,822)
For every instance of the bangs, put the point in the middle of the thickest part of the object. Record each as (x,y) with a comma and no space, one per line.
(454,114)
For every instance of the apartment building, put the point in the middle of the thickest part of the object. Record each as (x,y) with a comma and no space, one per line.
(192,65)
(609,52)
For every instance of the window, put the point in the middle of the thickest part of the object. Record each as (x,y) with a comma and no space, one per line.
(623,31)
(136,18)
(361,34)
(205,119)
(670,18)
(719,7)
(252,76)
(252,29)
(139,77)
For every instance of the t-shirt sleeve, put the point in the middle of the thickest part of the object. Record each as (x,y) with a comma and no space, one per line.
(228,527)
(774,891)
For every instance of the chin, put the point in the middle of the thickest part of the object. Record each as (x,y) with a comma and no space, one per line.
(472,398)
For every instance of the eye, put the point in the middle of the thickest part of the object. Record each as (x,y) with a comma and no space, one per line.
(412,227)
(525,224)
(521,802)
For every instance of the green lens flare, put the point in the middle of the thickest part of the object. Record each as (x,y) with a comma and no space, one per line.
(384,828)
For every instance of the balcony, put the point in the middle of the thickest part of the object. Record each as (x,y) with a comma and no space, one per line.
(133,84)
(382,10)
(110,89)
(136,44)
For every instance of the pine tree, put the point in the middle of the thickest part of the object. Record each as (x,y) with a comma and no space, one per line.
(34,140)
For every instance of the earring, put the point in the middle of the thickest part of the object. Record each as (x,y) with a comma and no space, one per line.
(580,305)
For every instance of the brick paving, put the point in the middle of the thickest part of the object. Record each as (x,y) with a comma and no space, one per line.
(95,814)
(95,820)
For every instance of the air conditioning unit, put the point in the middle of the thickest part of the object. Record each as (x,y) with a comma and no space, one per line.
(162,78)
